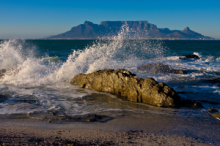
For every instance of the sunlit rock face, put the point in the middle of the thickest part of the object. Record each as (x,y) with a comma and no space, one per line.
(123,83)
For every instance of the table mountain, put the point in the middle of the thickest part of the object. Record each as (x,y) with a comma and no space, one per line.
(137,29)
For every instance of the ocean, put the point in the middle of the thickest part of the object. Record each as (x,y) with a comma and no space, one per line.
(38,73)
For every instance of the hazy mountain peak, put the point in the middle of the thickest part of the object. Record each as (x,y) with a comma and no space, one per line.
(88,23)
(187,28)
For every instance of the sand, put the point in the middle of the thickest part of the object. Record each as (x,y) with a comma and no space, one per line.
(129,129)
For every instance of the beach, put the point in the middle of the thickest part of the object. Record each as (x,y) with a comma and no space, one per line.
(135,129)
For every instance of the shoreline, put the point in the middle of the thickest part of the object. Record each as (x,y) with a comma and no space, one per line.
(132,129)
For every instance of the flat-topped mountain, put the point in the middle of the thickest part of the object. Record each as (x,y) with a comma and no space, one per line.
(142,29)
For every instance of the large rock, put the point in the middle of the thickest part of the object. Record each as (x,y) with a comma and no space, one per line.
(159,68)
(123,83)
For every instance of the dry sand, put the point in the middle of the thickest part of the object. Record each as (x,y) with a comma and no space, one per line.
(133,129)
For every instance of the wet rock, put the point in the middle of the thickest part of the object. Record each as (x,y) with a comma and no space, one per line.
(178,71)
(212,110)
(10,72)
(3,98)
(123,83)
(154,68)
(211,102)
(215,115)
(2,72)
(159,68)
(213,81)
(90,118)
(191,103)
(189,57)
(181,92)
(77,118)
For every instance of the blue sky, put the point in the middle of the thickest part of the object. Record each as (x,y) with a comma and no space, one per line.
(42,18)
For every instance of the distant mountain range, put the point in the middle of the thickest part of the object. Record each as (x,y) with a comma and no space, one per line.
(137,29)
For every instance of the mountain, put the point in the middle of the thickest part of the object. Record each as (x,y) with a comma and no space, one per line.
(142,29)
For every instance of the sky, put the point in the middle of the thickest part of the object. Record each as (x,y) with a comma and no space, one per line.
(27,19)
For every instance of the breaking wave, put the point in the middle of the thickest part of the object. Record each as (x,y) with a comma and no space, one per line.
(25,68)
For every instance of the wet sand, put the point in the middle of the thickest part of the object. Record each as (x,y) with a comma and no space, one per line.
(130,129)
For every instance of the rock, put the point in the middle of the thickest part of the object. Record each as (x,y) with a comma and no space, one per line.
(178,71)
(87,118)
(213,81)
(215,115)
(123,83)
(191,103)
(92,118)
(76,118)
(154,68)
(159,68)
(189,57)
(11,71)
(212,110)
(181,92)
(2,72)
(210,102)
(3,98)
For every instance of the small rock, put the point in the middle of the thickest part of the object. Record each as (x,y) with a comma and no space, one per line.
(188,102)
(212,110)
(178,72)
(2,72)
(189,56)
(213,81)
(159,68)
(215,115)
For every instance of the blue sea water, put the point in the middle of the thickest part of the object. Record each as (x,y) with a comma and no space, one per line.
(39,71)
